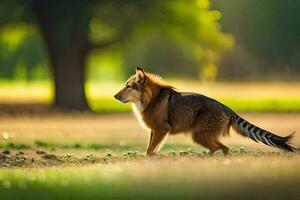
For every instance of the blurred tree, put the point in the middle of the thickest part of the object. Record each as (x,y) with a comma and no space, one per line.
(191,46)
(72,29)
(22,55)
(267,34)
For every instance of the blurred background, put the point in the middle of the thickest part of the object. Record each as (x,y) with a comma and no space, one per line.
(76,54)
(64,136)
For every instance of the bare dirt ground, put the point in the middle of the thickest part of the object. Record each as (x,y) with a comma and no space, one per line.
(123,129)
(60,139)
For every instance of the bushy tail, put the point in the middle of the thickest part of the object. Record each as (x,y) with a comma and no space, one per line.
(245,128)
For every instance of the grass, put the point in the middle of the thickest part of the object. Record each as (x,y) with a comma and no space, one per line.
(106,104)
(237,104)
(80,146)
(102,157)
(278,97)
(263,104)
(241,176)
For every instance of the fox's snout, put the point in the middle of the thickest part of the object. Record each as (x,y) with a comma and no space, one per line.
(117,96)
(120,97)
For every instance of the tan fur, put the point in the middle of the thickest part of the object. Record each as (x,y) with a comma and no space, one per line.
(165,111)
(153,111)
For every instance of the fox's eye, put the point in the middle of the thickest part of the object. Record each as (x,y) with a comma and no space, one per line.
(128,86)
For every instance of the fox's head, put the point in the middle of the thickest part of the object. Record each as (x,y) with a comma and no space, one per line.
(141,88)
(137,89)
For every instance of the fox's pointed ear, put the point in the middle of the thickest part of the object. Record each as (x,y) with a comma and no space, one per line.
(140,74)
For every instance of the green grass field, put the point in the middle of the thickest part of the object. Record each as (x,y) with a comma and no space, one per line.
(278,97)
(87,156)
(178,177)
(237,104)
(77,156)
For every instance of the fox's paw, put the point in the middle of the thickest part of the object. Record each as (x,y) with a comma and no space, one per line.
(150,154)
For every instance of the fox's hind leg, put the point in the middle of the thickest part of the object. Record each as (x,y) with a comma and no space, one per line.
(208,127)
(205,139)
(210,141)
(224,148)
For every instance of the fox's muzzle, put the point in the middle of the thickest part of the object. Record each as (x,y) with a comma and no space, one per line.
(119,97)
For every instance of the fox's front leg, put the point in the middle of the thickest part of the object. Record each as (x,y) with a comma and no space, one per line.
(156,137)
(150,140)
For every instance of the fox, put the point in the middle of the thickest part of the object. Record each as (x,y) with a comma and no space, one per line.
(165,111)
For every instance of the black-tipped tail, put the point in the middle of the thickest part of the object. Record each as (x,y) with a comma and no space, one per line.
(245,128)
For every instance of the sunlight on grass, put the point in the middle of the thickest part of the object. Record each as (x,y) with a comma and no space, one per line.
(25,92)
(158,178)
(102,157)
(240,97)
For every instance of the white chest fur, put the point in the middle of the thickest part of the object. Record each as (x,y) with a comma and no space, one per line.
(137,109)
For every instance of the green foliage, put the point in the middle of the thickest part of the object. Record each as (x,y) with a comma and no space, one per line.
(267,39)
(155,32)
(181,43)
(105,66)
(39,143)
(22,55)
(168,37)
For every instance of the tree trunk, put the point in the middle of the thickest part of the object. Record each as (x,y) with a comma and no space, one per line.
(68,75)
(64,29)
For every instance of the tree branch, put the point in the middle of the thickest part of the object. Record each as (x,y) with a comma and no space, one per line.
(107,43)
